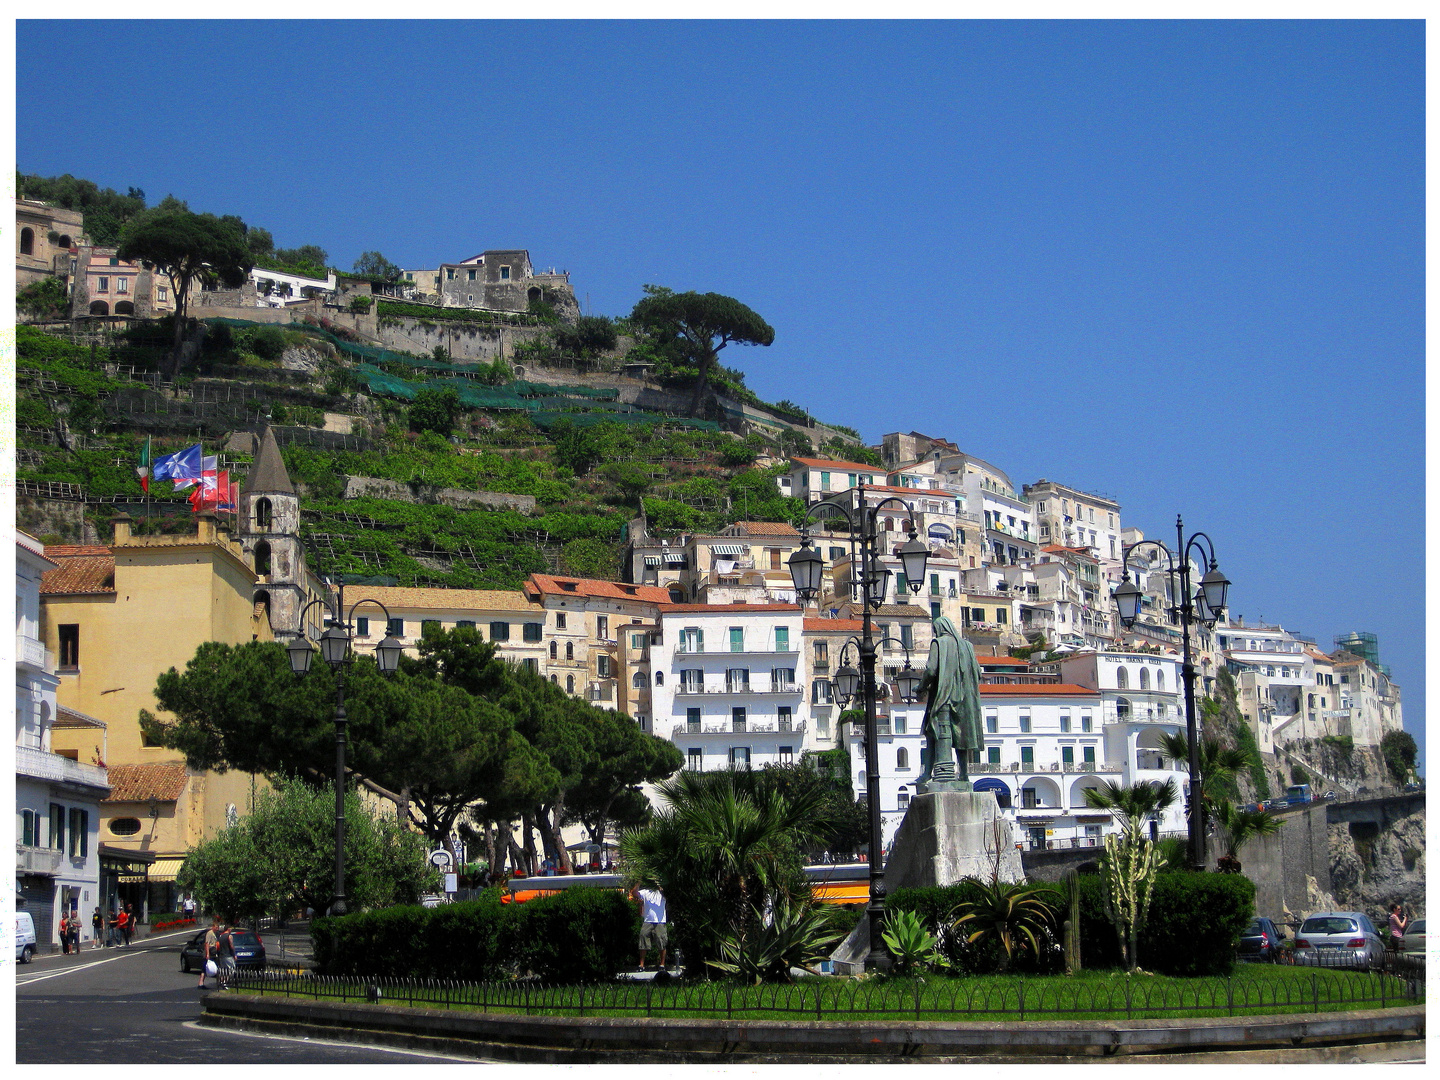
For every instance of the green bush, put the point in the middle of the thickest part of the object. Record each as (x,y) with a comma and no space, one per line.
(937,907)
(579,935)
(1194,923)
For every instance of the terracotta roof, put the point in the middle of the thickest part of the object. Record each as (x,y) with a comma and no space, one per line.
(1315,654)
(768,528)
(549,585)
(69,718)
(701,609)
(396,597)
(838,626)
(817,463)
(81,569)
(163,781)
(903,609)
(1002,661)
(1036,690)
(268,473)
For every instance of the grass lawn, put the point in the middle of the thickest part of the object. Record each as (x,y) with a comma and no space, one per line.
(1254,990)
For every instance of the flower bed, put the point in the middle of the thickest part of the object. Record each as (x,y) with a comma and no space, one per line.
(155,928)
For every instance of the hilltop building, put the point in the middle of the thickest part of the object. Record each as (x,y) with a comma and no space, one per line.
(47,242)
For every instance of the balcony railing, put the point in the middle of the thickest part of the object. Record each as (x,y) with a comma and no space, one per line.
(683,649)
(37,860)
(43,765)
(1073,768)
(727,727)
(32,652)
(695,690)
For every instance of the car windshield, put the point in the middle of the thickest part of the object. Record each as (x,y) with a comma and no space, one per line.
(244,938)
(1416,927)
(1328,925)
(1255,927)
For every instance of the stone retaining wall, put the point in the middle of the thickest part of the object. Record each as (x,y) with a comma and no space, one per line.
(362,487)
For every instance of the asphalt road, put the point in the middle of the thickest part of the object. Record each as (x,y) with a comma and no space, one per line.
(132,1006)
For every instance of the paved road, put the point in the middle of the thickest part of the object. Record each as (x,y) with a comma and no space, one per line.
(132,1006)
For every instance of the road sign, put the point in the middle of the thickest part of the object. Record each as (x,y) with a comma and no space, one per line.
(452,882)
(440,857)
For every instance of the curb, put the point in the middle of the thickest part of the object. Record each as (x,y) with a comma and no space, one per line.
(1332,1037)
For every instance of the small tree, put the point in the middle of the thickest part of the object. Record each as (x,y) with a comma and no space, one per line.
(435,410)
(1399,750)
(1239,827)
(699,325)
(373,265)
(1130,864)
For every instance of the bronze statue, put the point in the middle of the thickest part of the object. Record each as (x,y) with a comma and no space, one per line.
(952,711)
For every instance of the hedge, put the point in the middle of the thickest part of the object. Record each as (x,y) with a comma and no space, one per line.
(579,935)
(1193,926)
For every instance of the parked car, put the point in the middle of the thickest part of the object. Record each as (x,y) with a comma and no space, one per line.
(1330,795)
(24,937)
(1260,941)
(249,951)
(1413,943)
(1338,939)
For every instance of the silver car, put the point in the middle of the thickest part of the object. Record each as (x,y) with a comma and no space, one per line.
(1345,939)
(1413,943)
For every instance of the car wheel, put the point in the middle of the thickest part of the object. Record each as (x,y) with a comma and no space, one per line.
(26,954)
(184,966)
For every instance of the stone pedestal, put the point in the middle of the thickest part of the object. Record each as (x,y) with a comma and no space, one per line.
(946,836)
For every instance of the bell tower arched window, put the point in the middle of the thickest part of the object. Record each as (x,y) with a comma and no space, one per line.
(262,513)
(262,559)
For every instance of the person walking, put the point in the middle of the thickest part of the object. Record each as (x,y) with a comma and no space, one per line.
(652,919)
(225,953)
(129,927)
(207,951)
(97,926)
(120,921)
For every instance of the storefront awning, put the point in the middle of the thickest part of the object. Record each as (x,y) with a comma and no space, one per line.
(162,869)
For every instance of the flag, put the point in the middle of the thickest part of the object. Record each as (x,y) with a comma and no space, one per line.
(183,467)
(143,468)
(224,492)
(207,468)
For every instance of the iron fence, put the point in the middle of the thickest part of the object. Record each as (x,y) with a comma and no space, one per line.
(983,998)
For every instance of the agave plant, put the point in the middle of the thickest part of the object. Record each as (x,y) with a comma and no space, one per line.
(791,936)
(1017,915)
(912,946)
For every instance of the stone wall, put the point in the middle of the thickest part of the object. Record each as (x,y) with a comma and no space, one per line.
(362,487)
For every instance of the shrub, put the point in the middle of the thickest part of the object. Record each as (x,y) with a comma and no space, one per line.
(1194,923)
(267,342)
(938,906)
(361,304)
(579,935)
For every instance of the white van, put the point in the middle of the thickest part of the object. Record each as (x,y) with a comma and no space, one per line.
(24,937)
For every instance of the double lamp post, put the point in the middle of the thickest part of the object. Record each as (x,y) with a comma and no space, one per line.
(335,647)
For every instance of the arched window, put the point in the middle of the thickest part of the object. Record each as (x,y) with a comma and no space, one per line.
(902,758)
(639,682)
(1160,679)
(27,241)
(1144,678)
(1122,708)
(555,679)
(569,684)
(533,294)
(262,559)
(659,678)
(1122,678)
(569,650)
(64,242)
(554,651)
(99,307)
(124,307)
(262,513)
(677,594)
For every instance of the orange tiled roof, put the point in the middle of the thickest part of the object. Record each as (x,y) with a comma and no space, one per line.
(550,585)
(768,528)
(700,609)
(817,463)
(839,626)
(163,781)
(1002,661)
(1036,690)
(83,568)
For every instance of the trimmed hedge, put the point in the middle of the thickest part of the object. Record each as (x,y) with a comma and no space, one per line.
(579,935)
(1193,926)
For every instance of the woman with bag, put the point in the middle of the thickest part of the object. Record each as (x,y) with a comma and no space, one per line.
(65,932)
(212,941)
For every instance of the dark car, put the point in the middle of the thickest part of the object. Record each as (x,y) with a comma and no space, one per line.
(1260,941)
(249,951)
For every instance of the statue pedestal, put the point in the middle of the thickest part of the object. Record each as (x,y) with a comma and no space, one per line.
(946,836)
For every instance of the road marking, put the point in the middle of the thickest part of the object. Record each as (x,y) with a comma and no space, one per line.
(120,955)
(306,1040)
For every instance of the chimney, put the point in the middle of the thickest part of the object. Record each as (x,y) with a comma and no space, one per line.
(205,523)
(123,523)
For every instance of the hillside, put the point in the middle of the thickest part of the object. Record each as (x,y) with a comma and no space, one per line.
(576,456)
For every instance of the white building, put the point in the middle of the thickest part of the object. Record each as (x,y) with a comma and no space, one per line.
(1075,518)
(277,288)
(57,798)
(1274,676)
(729,688)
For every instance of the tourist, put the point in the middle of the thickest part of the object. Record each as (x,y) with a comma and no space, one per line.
(652,919)
(207,950)
(97,924)
(65,932)
(1398,923)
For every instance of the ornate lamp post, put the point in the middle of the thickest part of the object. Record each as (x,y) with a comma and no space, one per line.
(1204,606)
(336,649)
(807,569)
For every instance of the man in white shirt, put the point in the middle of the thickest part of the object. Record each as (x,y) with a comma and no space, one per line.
(652,919)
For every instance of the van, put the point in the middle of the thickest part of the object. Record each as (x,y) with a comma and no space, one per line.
(24,937)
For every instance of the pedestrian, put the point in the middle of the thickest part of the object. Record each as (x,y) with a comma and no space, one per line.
(225,955)
(207,950)
(129,927)
(1398,923)
(187,907)
(65,932)
(75,929)
(97,924)
(652,919)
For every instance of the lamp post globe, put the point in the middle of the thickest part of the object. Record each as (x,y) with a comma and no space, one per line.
(913,557)
(908,682)
(387,654)
(847,683)
(1127,601)
(334,644)
(875,586)
(301,653)
(1215,585)
(807,568)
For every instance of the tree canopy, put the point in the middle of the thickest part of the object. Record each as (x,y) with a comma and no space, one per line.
(188,248)
(376,267)
(699,325)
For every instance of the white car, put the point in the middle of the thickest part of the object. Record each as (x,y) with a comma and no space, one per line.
(1342,939)
(1413,943)
(24,937)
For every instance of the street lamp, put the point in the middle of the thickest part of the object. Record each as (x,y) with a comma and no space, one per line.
(335,647)
(807,570)
(1204,606)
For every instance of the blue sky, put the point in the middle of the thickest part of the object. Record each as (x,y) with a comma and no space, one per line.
(1180,263)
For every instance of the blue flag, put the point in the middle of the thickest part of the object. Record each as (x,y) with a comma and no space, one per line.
(181,465)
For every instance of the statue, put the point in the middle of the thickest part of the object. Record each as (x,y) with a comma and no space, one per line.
(952,711)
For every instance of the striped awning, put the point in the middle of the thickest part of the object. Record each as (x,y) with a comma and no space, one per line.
(652,560)
(727,549)
(160,870)
(673,557)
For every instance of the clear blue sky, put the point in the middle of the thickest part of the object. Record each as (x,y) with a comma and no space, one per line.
(1180,263)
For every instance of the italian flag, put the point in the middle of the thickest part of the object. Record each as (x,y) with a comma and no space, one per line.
(143,467)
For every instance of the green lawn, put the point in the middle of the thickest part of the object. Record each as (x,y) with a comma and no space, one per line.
(1252,991)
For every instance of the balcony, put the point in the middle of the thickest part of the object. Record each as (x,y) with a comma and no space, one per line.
(1073,768)
(43,765)
(683,649)
(32,653)
(38,860)
(727,727)
(751,689)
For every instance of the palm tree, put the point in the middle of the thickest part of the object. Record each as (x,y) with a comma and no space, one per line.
(1239,827)
(1219,765)
(1134,805)
(1017,914)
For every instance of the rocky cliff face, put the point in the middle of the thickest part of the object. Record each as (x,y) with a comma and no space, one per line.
(1370,870)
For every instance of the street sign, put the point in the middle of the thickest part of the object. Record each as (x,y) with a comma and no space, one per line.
(452,882)
(440,857)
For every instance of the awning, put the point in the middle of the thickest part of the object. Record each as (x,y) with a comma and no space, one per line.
(674,558)
(652,560)
(160,870)
(727,549)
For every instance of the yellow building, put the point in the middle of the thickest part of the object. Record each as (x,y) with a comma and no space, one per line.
(116,617)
